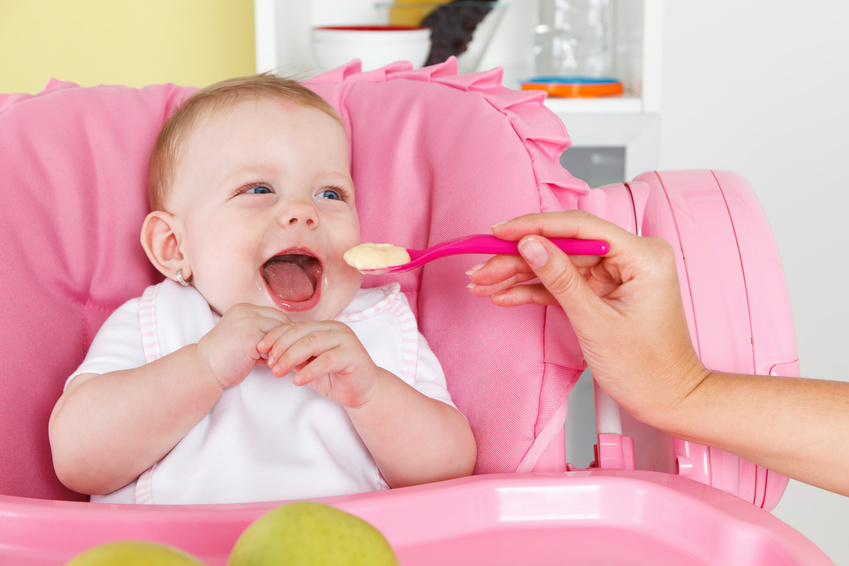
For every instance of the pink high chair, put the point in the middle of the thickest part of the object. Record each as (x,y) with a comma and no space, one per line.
(435,155)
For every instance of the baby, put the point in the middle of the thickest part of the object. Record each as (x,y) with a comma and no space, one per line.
(258,370)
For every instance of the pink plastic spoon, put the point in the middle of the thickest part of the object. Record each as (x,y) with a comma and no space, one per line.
(478,244)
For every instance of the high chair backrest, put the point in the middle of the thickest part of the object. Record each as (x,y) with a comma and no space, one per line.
(735,299)
(434,156)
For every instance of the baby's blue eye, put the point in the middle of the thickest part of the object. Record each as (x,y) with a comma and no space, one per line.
(259,190)
(331,194)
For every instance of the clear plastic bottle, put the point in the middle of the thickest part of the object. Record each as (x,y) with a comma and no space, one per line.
(573,38)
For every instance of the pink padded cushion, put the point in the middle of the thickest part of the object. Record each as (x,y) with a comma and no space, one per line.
(73,164)
(435,155)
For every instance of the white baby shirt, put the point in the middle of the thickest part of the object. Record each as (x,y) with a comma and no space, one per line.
(266,439)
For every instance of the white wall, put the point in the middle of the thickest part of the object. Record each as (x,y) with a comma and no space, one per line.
(762,88)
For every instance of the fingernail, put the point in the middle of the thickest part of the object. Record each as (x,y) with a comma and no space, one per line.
(498,224)
(475,268)
(533,252)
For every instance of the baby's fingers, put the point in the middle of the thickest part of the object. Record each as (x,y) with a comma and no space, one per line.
(271,337)
(299,344)
(326,363)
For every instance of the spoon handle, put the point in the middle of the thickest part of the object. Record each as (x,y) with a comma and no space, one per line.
(488,244)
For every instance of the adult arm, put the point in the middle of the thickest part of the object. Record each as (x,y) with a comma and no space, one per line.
(627,313)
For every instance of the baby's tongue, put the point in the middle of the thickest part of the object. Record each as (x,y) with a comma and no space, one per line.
(288,280)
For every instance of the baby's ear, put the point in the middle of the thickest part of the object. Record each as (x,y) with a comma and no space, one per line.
(160,238)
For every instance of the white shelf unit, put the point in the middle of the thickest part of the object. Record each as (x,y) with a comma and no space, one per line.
(638,27)
(629,122)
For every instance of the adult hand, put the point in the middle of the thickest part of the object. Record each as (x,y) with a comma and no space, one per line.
(627,312)
(624,307)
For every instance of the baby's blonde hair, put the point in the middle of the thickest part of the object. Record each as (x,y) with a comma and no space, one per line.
(166,150)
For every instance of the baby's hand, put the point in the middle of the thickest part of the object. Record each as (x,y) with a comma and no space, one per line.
(327,356)
(230,349)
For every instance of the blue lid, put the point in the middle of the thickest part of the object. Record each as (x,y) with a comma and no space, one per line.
(573,80)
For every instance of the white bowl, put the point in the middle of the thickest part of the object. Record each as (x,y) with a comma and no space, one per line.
(375,45)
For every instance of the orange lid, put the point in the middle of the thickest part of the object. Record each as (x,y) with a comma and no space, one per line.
(576,89)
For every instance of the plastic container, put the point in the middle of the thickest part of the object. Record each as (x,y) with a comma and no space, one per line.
(575,87)
(574,38)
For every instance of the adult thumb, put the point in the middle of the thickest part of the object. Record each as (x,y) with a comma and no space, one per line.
(556,271)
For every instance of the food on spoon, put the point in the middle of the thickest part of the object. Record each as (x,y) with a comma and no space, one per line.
(368,257)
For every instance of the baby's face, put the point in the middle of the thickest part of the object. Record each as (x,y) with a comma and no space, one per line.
(265,200)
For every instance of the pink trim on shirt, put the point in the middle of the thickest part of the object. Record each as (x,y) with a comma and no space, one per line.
(409,339)
(147,323)
(152,351)
(394,303)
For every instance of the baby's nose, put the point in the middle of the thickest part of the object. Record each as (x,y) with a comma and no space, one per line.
(300,213)
(305,219)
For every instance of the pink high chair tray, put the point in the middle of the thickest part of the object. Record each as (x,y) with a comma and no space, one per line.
(633,518)
(587,518)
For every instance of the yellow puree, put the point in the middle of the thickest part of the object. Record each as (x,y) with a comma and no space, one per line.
(366,257)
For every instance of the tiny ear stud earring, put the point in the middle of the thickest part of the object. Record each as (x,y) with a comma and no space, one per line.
(180,279)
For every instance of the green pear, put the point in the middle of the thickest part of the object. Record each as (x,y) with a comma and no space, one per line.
(311,534)
(134,553)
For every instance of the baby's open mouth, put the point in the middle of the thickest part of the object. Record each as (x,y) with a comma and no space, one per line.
(292,277)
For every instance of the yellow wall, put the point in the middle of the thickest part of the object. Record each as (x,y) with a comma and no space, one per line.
(127,42)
